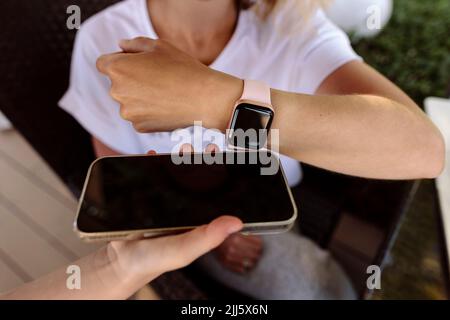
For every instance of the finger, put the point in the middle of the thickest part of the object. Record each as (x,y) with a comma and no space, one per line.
(212,148)
(186,148)
(242,248)
(255,240)
(236,263)
(237,247)
(139,44)
(251,247)
(151,152)
(236,268)
(237,254)
(242,241)
(251,259)
(244,251)
(180,250)
(239,266)
(104,61)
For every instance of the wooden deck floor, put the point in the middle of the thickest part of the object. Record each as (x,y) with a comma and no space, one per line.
(36,216)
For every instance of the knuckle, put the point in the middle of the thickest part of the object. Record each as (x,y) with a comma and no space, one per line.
(139,128)
(159,43)
(232,250)
(113,92)
(125,113)
(100,64)
(235,241)
(109,64)
(228,256)
(115,67)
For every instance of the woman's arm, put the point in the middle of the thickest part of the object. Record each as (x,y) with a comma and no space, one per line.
(123,267)
(99,280)
(358,124)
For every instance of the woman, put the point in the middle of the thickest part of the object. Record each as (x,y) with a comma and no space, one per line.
(331,109)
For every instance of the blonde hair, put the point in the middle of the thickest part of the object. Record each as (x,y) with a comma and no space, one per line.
(266,7)
(299,10)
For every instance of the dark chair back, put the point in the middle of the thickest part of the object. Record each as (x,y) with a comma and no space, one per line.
(36,48)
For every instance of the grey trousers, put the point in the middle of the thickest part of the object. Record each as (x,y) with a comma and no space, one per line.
(291,267)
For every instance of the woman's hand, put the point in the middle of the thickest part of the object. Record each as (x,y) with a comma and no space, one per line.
(240,253)
(161,88)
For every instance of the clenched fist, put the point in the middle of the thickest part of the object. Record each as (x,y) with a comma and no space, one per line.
(161,88)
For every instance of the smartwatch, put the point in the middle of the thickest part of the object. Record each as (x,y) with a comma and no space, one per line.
(251,117)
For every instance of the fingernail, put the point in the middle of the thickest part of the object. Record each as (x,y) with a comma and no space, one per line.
(234,228)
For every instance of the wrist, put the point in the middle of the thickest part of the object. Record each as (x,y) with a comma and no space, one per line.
(223,92)
(129,278)
(128,263)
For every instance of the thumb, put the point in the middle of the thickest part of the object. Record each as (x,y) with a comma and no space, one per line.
(136,45)
(180,250)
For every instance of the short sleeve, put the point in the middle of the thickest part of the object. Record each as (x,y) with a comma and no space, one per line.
(87,98)
(327,48)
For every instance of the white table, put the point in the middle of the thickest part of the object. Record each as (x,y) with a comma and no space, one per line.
(4,123)
(439,111)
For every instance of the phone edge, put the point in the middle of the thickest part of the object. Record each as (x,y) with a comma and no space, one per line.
(249,228)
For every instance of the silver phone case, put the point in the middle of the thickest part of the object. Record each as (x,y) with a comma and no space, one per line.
(273,227)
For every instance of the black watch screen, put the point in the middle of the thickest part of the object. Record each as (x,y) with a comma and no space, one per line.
(249,126)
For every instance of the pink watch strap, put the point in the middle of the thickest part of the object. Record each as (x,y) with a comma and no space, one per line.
(256,91)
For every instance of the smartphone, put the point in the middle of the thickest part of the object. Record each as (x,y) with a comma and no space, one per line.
(131,197)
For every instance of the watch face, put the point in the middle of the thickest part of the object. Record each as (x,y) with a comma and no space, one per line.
(249,126)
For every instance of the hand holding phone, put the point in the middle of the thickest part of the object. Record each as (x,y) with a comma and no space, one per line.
(143,260)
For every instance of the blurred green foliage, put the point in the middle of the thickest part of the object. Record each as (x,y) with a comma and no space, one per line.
(414,48)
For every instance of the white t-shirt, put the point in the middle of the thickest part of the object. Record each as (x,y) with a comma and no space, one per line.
(296,62)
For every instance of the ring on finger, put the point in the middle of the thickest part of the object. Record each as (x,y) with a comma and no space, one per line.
(247,264)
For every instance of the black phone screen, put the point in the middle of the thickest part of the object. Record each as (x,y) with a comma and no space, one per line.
(148,192)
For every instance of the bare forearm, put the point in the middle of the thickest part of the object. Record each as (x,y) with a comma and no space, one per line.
(364,126)
(98,281)
(123,267)
(361,135)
